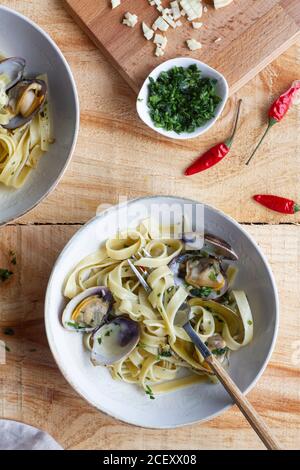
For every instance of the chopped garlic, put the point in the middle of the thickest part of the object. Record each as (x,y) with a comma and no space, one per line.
(115,3)
(159,51)
(160,24)
(205,9)
(193,45)
(218,40)
(160,40)
(197,24)
(148,32)
(130,20)
(169,20)
(193,8)
(221,3)
(175,10)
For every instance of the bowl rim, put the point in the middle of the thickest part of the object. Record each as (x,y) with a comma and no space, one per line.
(51,340)
(201,130)
(77,110)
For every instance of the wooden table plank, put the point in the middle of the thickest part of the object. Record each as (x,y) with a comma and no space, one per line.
(33,390)
(117,155)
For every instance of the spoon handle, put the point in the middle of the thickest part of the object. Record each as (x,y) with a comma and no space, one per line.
(238,397)
(244,405)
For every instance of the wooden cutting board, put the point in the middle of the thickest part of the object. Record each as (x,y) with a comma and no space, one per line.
(252,32)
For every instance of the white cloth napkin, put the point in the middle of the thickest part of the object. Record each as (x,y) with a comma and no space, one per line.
(19,436)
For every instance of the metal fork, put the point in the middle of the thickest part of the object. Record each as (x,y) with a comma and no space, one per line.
(182,319)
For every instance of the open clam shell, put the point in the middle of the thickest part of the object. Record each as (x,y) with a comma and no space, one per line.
(26,99)
(12,69)
(114,341)
(203,277)
(88,310)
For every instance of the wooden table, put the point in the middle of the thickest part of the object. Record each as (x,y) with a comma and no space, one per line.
(117,156)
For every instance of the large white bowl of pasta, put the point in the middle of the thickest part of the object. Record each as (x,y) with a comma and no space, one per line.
(39,115)
(161,382)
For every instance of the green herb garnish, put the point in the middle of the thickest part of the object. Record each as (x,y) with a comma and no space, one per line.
(5,274)
(75,325)
(220,351)
(166,353)
(181,100)
(108,333)
(13,257)
(201,291)
(99,340)
(149,392)
(212,276)
(250,322)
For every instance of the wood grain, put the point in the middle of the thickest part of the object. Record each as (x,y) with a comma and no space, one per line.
(241,26)
(117,155)
(33,390)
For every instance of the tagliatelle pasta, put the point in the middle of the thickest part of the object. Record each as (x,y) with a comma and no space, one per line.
(25,122)
(164,350)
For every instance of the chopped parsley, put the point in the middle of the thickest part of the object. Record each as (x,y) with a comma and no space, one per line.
(13,257)
(5,274)
(250,322)
(212,276)
(75,325)
(165,353)
(220,351)
(99,340)
(201,291)
(108,333)
(181,100)
(149,392)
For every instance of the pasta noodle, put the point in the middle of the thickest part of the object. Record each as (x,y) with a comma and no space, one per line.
(164,350)
(22,147)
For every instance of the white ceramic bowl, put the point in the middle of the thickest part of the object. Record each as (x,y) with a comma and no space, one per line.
(127,402)
(21,37)
(142,99)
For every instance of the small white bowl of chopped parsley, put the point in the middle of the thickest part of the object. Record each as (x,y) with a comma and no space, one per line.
(182,98)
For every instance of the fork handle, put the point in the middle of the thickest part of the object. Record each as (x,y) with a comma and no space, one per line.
(244,405)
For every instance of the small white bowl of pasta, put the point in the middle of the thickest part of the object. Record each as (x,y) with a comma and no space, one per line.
(155,384)
(39,115)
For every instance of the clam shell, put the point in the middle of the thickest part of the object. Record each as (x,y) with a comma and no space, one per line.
(114,341)
(12,67)
(102,292)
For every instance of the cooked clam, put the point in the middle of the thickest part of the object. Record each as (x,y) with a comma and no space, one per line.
(88,310)
(114,341)
(11,70)
(204,276)
(217,345)
(211,244)
(26,99)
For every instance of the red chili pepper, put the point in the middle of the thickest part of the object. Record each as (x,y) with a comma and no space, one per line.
(215,154)
(278,110)
(276,203)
